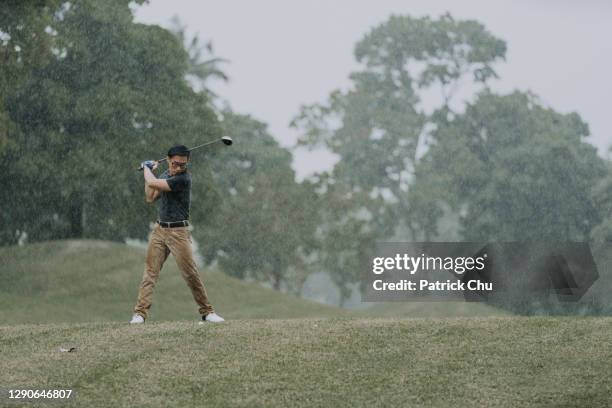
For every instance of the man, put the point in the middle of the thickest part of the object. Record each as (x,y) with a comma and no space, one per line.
(171,234)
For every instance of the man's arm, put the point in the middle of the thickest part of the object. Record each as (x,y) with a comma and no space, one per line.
(151,194)
(153,182)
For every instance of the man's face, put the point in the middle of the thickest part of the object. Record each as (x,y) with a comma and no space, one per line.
(177,164)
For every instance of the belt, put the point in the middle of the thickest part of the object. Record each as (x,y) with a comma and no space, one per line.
(173,224)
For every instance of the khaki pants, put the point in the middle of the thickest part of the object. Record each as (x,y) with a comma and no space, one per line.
(162,242)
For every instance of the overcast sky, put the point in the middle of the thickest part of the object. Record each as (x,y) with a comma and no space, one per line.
(286,53)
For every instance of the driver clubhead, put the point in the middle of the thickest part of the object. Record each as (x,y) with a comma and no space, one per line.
(227,140)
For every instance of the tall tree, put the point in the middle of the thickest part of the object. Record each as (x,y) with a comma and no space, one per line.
(377,124)
(513,169)
(264,226)
(202,64)
(26,44)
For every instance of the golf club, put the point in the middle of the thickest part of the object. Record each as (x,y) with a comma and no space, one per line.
(226,140)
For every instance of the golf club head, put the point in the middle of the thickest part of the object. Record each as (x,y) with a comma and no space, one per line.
(227,140)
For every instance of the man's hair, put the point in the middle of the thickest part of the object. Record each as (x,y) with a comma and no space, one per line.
(178,150)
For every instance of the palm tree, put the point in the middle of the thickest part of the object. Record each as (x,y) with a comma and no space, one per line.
(203,65)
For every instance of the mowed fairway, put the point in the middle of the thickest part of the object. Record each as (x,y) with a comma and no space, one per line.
(465,362)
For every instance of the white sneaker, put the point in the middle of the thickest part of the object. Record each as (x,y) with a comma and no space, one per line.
(137,319)
(213,318)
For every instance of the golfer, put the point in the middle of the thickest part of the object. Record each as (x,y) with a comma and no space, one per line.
(171,234)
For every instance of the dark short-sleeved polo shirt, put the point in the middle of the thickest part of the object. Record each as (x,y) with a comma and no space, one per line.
(174,204)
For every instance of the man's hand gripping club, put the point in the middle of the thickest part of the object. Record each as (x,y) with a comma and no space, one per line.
(151,164)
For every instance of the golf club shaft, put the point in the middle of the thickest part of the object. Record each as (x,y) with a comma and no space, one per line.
(193,148)
(225,139)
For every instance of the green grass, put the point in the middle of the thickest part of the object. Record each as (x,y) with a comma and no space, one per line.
(462,362)
(97,281)
(432,309)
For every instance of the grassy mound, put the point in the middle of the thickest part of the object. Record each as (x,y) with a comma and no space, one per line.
(97,281)
(465,362)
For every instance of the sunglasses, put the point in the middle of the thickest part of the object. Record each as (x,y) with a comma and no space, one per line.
(180,165)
